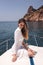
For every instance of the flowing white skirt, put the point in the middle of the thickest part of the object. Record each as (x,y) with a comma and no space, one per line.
(23,59)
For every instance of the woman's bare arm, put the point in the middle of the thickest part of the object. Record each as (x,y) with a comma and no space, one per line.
(25,45)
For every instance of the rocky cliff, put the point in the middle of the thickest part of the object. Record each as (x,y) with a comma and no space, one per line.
(34,14)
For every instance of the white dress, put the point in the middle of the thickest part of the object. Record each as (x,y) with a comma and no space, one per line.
(18,39)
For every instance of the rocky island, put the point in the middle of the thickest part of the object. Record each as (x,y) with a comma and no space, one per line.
(34,14)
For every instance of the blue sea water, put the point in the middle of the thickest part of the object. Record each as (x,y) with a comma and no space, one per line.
(7,29)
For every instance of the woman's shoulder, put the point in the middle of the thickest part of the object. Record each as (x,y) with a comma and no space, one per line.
(17,30)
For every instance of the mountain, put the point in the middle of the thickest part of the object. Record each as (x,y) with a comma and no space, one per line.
(34,14)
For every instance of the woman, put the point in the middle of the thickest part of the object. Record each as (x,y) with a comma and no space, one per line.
(20,34)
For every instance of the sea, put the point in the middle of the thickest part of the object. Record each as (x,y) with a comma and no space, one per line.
(7,29)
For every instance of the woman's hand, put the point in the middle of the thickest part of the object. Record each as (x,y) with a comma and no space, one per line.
(25,45)
(14,58)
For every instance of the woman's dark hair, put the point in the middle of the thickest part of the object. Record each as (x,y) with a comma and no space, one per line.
(24,30)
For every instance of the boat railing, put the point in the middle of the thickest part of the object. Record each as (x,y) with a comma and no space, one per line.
(6,42)
(4,46)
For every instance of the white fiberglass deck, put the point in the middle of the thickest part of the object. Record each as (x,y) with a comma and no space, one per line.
(5,59)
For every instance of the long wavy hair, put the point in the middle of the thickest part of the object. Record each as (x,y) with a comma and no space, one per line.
(24,30)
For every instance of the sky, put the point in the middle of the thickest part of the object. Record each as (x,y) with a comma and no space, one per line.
(13,10)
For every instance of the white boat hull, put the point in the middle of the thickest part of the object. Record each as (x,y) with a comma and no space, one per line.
(6,58)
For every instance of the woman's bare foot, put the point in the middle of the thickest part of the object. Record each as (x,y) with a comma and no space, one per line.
(31,53)
(14,58)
